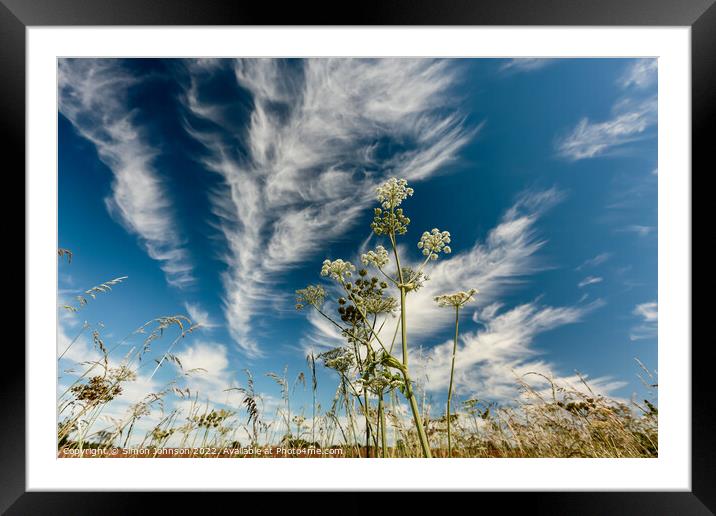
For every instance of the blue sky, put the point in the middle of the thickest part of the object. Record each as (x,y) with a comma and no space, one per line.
(219,186)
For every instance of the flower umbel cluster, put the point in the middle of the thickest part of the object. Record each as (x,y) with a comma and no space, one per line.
(337,269)
(366,296)
(393,192)
(98,389)
(390,220)
(339,359)
(434,243)
(311,295)
(415,279)
(379,257)
(458,299)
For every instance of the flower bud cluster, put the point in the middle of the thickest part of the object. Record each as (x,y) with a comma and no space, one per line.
(457,299)
(434,243)
(311,295)
(393,192)
(379,257)
(337,269)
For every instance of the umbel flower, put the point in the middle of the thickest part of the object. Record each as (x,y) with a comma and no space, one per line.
(337,269)
(393,192)
(379,257)
(434,243)
(389,220)
(311,295)
(377,304)
(97,390)
(339,359)
(458,299)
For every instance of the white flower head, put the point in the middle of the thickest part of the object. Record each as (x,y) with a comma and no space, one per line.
(337,269)
(435,242)
(311,295)
(458,299)
(379,257)
(393,192)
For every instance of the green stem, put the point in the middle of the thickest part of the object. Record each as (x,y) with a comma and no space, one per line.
(381,414)
(366,410)
(409,394)
(452,372)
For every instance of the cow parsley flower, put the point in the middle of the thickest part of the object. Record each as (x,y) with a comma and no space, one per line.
(337,269)
(458,299)
(387,222)
(393,192)
(339,359)
(435,242)
(379,257)
(377,304)
(311,295)
(390,220)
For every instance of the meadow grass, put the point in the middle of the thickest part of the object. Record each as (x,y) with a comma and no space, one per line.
(377,408)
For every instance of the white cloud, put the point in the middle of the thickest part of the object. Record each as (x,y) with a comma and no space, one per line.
(525,64)
(642,73)
(649,315)
(507,255)
(589,139)
(212,376)
(93,96)
(489,361)
(315,150)
(590,280)
(199,316)
(642,231)
(595,261)
(209,356)
(75,348)
(649,311)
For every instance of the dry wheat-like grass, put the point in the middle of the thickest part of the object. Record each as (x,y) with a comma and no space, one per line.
(377,410)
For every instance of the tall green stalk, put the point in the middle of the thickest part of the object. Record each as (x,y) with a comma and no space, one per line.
(452,374)
(381,416)
(457,300)
(409,394)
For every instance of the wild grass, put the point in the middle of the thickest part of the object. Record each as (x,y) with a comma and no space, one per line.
(377,409)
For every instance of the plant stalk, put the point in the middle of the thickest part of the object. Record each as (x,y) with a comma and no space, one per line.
(452,373)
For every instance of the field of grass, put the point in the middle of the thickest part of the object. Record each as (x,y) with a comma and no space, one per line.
(377,410)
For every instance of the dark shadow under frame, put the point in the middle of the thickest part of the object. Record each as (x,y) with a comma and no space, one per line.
(700,15)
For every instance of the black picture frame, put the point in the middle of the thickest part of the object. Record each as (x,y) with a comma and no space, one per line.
(700,15)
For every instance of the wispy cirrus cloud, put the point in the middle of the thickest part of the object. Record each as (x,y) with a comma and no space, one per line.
(489,361)
(199,316)
(632,116)
(320,135)
(594,261)
(526,64)
(93,95)
(505,258)
(491,357)
(630,122)
(590,280)
(642,73)
(637,229)
(648,313)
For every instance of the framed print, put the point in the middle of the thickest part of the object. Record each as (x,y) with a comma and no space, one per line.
(436,253)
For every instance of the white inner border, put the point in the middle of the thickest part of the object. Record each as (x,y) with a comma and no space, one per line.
(671,471)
